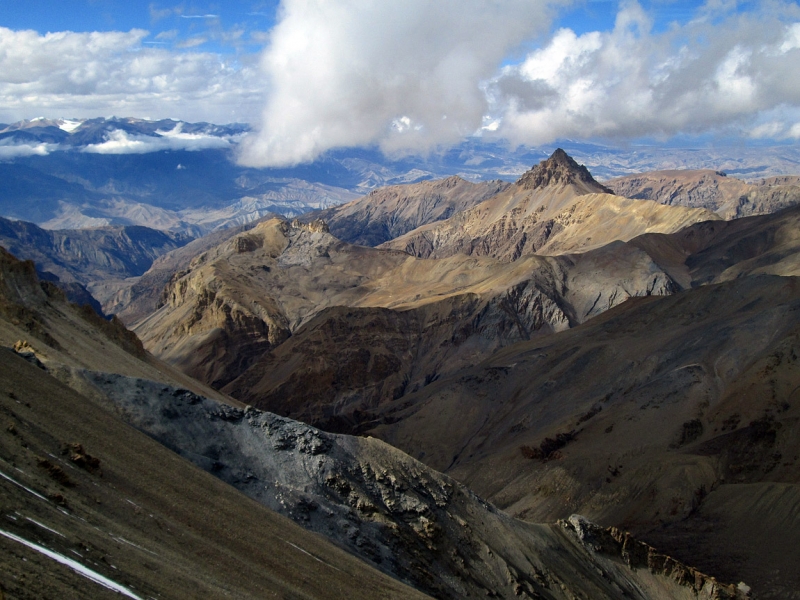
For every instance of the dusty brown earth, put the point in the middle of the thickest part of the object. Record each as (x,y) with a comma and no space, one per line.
(681,361)
(77,482)
(75,487)
(134,298)
(660,415)
(529,378)
(392,322)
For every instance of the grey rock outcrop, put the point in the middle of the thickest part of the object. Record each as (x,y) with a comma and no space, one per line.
(380,504)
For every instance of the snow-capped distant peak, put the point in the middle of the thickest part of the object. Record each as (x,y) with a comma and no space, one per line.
(69,125)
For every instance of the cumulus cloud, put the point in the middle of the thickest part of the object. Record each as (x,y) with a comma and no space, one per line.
(104,73)
(405,75)
(717,73)
(424,73)
(121,142)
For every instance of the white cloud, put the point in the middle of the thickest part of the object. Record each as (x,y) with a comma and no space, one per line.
(10,150)
(360,72)
(121,142)
(100,74)
(722,73)
(350,73)
(418,75)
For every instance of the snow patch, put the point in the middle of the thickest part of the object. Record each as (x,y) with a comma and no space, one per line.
(69,125)
(27,489)
(74,565)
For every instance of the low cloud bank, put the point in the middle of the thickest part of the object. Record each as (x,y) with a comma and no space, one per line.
(10,150)
(121,142)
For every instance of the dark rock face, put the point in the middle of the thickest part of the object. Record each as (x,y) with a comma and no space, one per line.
(560,170)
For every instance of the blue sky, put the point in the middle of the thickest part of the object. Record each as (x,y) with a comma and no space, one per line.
(208,20)
(411,75)
(176,23)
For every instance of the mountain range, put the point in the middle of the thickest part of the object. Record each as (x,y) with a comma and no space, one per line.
(100,499)
(478,389)
(182,177)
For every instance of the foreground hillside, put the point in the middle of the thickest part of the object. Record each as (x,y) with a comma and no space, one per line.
(671,416)
(74,485)
(85,516)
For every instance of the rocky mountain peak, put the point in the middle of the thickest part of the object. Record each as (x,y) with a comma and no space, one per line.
(561,170)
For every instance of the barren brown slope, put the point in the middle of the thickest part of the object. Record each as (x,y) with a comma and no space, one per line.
(729,197)
(245,298)
(555,208)
(339,368)
(400,515)
(389,212)
(72,337)
(77,483)
(145,519)
(669,416)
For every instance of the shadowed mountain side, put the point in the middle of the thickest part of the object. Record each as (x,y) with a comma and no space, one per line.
(87,255)
(637,418)
(729,197)
(338,369)
(721,250)
(247,296)
(389,212)
(554,208)
(140,516)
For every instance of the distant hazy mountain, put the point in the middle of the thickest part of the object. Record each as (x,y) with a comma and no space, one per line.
(727,196)
(90,257)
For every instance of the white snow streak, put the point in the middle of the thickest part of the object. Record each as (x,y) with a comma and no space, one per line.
(74,565)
